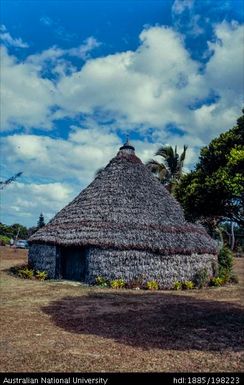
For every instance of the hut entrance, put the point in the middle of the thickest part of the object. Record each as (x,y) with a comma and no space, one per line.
(73,263)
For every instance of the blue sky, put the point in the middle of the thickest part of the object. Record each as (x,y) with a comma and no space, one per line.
(77,76)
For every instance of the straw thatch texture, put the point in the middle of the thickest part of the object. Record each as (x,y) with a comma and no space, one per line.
(126,208)
(134,265)
(44,258)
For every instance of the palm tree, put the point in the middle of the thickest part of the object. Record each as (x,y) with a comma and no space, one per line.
(169,170)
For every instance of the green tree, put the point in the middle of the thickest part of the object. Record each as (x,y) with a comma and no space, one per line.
(169,169)
(214,191)
(14,231)
(41,221)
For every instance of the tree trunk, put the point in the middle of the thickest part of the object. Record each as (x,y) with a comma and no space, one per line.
(232,236)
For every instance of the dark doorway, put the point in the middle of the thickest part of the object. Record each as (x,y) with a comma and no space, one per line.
(73,263)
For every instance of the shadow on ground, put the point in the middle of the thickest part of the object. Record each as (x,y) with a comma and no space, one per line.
(153,320)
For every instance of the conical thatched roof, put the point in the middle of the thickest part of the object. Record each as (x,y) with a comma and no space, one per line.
(126,207)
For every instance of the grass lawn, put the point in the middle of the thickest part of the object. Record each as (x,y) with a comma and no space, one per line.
(64,326)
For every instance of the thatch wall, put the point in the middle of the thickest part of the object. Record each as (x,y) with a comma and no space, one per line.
(44,258)
(127,264)
(132,264)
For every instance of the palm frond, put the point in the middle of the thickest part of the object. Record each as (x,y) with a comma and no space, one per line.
(183,155)
(154,166)
(165,151)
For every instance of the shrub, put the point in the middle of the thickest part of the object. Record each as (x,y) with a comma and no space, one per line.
(102,282)
(152,285)
(41,275)
(225,259)
(4,240)
(117,283)
(225,275)
(201,278)
(216,281)
(187,285)
(26,273)
(177,285)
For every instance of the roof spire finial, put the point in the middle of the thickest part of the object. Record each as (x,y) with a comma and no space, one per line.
(127,145)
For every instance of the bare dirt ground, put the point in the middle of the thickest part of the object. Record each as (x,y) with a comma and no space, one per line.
(62,326)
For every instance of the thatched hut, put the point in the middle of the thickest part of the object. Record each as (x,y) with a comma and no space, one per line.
(125,224)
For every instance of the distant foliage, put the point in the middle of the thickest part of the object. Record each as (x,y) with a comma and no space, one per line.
(4,240)
(13,231)
(41,221)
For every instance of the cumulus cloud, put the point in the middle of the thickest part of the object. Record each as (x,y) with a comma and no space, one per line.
(149,88)
(157,91)
(26,96)
(156,85)
(84,49)
(27,200)
(76,158)
(7,39)
(69,166)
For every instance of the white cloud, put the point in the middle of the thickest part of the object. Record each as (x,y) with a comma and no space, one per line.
(9,40)
(25,201)
(179,6)
(185,18)
(152,86)
(150,90)
(84,49)
(26,97)
(76,158)
(69,166)
(224,70)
